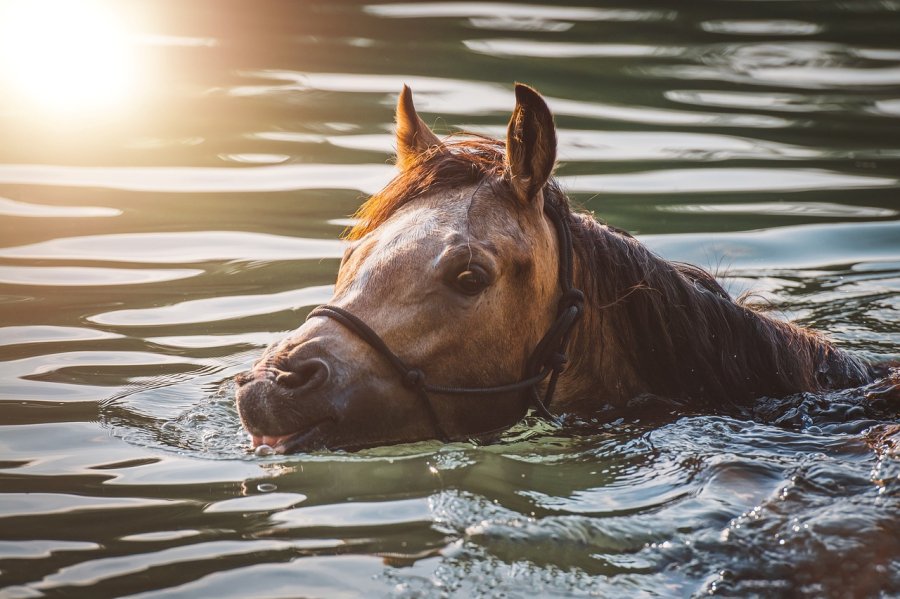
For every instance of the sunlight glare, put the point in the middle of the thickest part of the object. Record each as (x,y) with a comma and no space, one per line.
(65,55)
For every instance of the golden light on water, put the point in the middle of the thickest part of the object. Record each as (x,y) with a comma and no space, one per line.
(65,56)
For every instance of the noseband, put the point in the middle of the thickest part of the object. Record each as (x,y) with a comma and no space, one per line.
(548,358)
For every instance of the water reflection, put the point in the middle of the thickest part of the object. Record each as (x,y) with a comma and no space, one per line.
(514,16)
(218,308)
(14,208)
(785,102)
(258,339)
(761,27)
(723,180)
(50,334)
(816,209)
(367,178)
(256,158)
(454,97)
(256,503)
(576,145)
(887,107)
(98,571)
(796,247)
(77,276)
(616,146)
(359,514)
(179,248)
(511,47)
(812,65)
(57,503)
(41,549)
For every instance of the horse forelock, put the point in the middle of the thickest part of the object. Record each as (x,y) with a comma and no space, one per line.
(455,164)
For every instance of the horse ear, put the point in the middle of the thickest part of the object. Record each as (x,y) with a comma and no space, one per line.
(413,135)
(530,144)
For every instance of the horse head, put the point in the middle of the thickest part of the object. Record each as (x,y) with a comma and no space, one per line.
(453,266)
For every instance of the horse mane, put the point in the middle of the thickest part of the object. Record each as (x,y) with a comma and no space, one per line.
(670,325)
(456,163)
(684,336)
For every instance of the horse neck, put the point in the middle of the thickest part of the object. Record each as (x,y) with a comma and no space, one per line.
(653,326)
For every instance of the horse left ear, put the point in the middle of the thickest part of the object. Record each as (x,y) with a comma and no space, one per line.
(413,135)
(530,144)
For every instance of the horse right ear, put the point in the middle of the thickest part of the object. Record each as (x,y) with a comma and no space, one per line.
(530,144)
(413,135)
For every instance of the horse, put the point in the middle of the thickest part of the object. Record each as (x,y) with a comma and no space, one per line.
(471,291)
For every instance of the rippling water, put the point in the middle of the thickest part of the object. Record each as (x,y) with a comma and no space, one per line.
(174,178)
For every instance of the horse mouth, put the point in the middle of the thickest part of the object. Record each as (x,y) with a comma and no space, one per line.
(307,439)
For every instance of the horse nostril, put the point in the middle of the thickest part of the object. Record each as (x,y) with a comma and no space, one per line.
(306,375)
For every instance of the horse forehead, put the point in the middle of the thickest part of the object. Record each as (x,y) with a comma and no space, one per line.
(411,226)
(418,231)
(417,223)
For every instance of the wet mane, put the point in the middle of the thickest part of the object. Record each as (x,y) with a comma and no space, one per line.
(682,335)
(664,327)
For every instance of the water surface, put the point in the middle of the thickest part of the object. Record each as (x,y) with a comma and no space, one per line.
(174,179)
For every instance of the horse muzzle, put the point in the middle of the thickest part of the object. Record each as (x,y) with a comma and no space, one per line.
(321,389)
(288,404)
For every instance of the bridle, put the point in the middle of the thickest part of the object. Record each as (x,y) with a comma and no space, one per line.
(548,358)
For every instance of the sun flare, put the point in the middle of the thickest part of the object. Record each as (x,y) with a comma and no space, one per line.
(65,55)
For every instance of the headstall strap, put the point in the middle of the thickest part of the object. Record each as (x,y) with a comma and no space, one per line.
(549,357)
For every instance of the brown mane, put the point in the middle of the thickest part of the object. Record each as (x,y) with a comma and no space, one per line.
(666,328)
(454,164)
(684,336)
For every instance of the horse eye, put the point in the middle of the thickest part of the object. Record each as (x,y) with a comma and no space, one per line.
(471,282)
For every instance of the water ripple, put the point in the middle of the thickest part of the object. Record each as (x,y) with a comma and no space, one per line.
(16,335)
(511,11)
(532,48)
(717,180)
(813,65)
(614,146)
(217,308)
(20,504)
(367,178)
(78,276)
(793,247)
(98,570)
(355,514)
(451,96)
(761,27)
(617,146)
(179,248)
(815,209)
(13,208)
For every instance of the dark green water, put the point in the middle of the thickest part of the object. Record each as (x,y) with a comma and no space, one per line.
(174,179)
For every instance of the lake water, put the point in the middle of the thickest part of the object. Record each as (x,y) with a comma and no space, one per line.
(174,180)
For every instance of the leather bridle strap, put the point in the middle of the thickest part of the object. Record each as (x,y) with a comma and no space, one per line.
(548,358)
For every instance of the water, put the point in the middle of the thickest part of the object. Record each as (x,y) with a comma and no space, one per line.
(174,178)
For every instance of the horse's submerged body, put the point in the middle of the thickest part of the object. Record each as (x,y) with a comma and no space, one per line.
(454,274)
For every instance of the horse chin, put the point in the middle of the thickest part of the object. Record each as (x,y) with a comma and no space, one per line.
(309,439)
(333,418)
(284,421)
